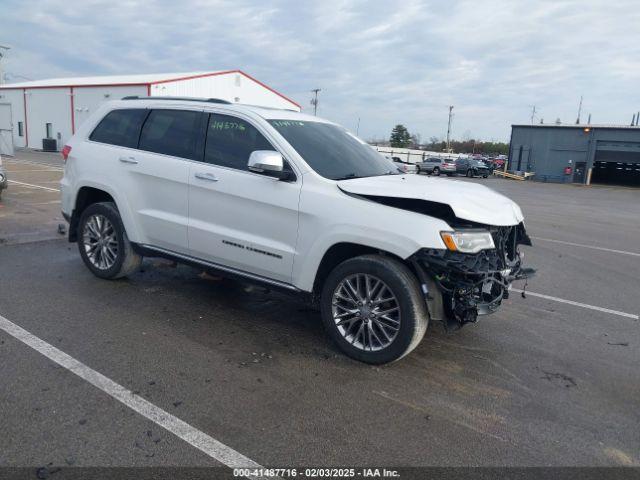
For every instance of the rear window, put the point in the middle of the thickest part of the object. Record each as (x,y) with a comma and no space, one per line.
(171,132)
(120,127)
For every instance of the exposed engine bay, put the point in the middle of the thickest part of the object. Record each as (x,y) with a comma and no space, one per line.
(459,287)
(472,284)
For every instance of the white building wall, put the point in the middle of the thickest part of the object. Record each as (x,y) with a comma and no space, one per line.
(48,105)
(86,100)
(16,99)
(233,87)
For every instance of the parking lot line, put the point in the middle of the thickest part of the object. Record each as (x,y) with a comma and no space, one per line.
(624,252)
(29,162)
(578,304)
(198,439)
(33,186)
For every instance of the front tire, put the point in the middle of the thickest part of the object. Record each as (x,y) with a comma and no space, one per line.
(373,309)
(469,173)
(103,243)
(436,171)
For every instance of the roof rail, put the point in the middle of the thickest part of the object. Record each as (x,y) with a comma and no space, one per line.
(180,99)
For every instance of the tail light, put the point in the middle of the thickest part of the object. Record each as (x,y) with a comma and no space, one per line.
(66,150)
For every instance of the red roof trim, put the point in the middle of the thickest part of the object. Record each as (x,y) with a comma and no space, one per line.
(7,87)
(191,77)
(148,84)
(269,88)
(227,72)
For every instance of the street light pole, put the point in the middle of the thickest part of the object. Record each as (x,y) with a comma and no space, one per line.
(449,129)
(314,101)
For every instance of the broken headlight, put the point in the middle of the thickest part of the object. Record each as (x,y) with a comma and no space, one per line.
(468,241)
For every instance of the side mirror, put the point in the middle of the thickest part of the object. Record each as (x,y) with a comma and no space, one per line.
(268,162)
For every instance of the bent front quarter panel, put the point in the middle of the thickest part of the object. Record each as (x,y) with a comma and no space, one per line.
(329,216)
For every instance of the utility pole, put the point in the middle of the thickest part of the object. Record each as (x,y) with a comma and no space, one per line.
(579,111)
(314,101)
(533,113)
(3,49)
(449,129)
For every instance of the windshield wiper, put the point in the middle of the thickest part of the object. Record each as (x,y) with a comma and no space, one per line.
(348,176)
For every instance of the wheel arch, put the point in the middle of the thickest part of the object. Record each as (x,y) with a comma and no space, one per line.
(89,194)
(338,253)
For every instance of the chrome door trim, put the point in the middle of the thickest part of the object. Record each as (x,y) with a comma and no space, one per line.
(223,268)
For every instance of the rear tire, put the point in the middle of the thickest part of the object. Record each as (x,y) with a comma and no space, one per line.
(381,316)
(418,171)
(469,173)
(103,243)
(436,171)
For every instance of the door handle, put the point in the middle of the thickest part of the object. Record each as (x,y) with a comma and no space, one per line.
(209,177)
(130,160)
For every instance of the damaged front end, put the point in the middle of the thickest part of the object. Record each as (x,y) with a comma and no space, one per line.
(461,286)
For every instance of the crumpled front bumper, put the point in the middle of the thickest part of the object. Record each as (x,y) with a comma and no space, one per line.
(459,287)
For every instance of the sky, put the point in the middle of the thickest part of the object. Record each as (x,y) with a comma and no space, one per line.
(378,63)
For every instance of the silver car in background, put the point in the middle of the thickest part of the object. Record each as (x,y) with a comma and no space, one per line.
(436,166)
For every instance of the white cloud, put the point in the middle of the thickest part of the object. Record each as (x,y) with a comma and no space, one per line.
(385,62)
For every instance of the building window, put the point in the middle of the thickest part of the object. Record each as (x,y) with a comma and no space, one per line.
(49,129)
(20,129)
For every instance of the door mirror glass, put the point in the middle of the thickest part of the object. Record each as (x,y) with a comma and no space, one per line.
(268,162)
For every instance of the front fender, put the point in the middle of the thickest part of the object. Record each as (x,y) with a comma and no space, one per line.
(327,219)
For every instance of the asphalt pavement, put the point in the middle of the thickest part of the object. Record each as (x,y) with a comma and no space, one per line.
(540,383)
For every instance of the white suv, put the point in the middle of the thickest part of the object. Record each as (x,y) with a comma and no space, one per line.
(291,201)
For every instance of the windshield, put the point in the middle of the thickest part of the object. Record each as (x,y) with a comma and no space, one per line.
(332,151)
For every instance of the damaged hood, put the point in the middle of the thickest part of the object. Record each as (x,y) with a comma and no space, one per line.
(469,201)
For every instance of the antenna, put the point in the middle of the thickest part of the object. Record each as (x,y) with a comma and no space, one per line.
(449,129)
(2,54)
(314,101)
(579,111)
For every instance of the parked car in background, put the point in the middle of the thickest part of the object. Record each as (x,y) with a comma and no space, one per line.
(471,168)
(3,178)
(403,165)
(436,166)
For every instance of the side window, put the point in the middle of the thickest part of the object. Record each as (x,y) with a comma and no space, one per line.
(171,132)
(231,140)
(120,127)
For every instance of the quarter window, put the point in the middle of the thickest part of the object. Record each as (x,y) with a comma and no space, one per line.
(231,140)
(171,132)
(120,127)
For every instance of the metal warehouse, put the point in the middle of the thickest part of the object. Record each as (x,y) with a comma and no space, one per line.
(50,111)
(585,154)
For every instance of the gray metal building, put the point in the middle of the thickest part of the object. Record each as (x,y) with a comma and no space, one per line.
(602,154)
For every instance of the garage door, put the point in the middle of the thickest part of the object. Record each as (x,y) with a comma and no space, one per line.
(617,164)
(6,134)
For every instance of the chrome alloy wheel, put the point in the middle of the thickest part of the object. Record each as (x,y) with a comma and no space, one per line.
(366,312)
(100,242)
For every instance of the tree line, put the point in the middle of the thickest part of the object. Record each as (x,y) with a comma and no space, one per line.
(401,138)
